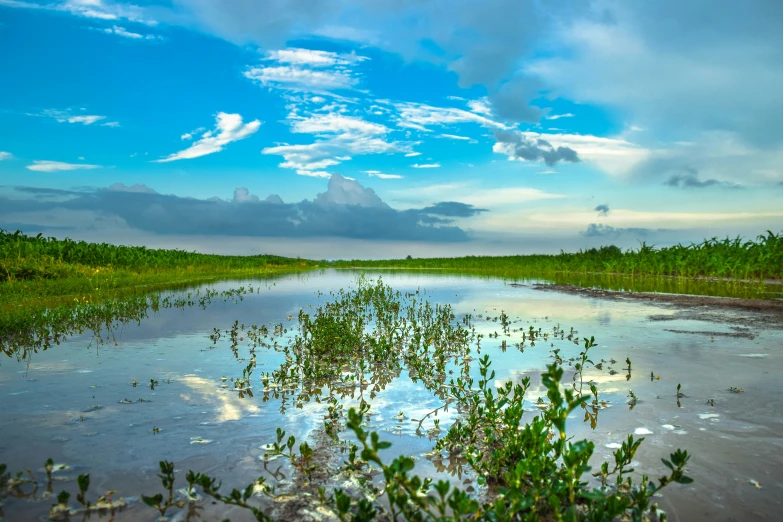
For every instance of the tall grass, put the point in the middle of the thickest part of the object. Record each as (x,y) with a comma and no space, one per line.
(24,257)
(730,258)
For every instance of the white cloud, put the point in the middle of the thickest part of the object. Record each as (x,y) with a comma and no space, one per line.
(412,154)
(307,70)
(5,156)
(426,166)
(480,106)
(339,137)
(121,31)
(421,115)
(289,77)
(58,166)
(333,123)
(379,174)
(67,116)
(111,124)
(298,56)
(96,9)
(87,120)
(228,128)
(558,116)
(456,137)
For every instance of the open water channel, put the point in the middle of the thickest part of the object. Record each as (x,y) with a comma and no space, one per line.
(156,390)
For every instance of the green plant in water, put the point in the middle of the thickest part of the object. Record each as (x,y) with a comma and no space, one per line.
(160,501)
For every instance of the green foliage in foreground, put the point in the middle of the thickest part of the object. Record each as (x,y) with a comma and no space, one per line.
(25,257)
(735,258)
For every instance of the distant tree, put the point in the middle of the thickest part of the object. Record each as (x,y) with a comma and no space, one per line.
(409,257)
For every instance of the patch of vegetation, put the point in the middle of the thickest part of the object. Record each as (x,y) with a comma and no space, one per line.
(726,258)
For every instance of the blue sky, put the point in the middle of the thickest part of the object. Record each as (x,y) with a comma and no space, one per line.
(337,128)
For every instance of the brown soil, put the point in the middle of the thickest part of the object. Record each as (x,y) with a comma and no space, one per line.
(755,313)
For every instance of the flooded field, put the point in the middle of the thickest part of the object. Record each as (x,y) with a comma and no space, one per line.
(195,386)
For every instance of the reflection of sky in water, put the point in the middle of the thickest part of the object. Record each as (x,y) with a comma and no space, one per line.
(47,402)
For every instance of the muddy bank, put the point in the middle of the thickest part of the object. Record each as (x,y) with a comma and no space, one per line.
(757,313)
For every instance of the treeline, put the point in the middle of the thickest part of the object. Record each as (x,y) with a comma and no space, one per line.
(734,258)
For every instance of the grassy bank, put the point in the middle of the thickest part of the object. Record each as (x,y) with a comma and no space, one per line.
(761,258)
(38,267)
(46,276)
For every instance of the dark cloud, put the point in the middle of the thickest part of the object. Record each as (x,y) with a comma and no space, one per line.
(598,230)
(452,209)
(512,101)
(535,149)
(346,209)
(49,192)
(603,210)
(690,179)
(138,188)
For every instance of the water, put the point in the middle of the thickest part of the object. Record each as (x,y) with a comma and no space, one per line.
(76,402)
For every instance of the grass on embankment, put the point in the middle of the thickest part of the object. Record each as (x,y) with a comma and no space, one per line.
(42,272)
(727,258)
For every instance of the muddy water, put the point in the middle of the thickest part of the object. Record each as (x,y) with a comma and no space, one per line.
(76,402)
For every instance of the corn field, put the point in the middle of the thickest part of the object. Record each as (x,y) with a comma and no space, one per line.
(731,258)
(25,257)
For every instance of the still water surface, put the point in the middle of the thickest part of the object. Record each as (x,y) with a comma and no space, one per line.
(76,402)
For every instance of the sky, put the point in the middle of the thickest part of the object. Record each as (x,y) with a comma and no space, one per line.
(380,128)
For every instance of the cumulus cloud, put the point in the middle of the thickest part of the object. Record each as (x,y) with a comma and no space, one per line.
(58,166)
(519,146)
(345,209)
(242,194)
(603,210)
(228,128)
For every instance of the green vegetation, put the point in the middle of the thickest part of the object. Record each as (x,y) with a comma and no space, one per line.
(25,257)
(42,279)
(729,258)
(354,345)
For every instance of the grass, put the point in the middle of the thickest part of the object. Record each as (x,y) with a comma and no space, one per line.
(45,276)
(761,258)
(49,267)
